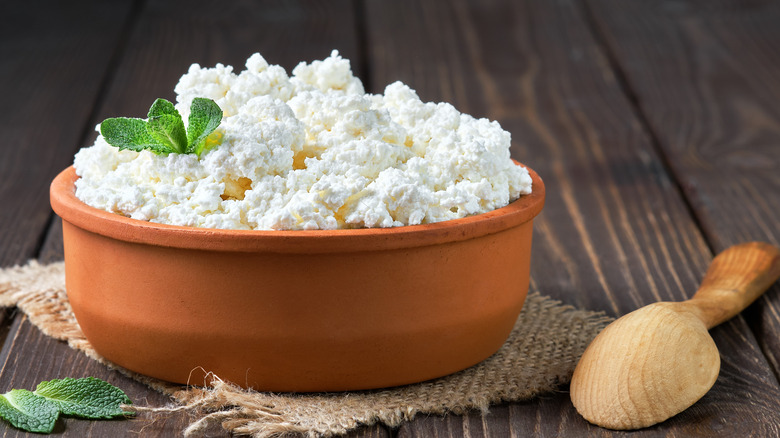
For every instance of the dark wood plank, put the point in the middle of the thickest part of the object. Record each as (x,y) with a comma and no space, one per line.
(167,38)
(616,233)
(552,416)
(55,56)
(172,35)
(705,76)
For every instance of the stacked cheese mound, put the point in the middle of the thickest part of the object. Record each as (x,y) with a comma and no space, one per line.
(311,151)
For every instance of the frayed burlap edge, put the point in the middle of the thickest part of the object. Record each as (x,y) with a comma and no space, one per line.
(539,356)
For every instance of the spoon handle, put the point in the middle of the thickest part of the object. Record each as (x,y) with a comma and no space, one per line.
(735,278)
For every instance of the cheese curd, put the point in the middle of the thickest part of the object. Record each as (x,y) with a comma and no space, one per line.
(310,151)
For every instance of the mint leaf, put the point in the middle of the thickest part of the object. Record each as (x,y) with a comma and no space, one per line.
(87,398)
(27,411)
(164,131)
(168,129)
(205,117)
(126,133)
(161,107)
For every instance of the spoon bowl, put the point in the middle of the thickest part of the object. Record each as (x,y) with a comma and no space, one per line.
(627,376)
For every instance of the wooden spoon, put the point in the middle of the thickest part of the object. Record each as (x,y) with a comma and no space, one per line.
(655,362)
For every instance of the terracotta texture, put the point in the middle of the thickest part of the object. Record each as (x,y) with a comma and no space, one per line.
(296,310)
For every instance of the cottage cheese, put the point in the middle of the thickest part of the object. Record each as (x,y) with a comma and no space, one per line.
(311,151)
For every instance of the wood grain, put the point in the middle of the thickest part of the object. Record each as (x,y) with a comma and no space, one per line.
(50,77)
(616,232)
(704,74)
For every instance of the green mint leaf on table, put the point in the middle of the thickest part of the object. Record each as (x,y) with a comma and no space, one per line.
(87,398)
(164,131)
(27,411)
(205,117)
(37,411)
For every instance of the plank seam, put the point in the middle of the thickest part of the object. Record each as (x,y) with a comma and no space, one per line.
(111,67)
(361,17)
(621,77)
(44,236)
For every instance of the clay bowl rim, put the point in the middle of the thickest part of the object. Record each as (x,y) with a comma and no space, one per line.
(71,209)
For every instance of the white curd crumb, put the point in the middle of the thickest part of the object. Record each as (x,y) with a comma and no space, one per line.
(310,151)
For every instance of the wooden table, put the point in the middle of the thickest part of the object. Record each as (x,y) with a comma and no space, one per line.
(655,125)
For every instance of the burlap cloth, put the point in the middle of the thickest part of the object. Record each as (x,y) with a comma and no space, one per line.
(539,356)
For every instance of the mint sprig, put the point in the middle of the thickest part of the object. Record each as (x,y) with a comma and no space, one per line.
(37,411)
(163,132)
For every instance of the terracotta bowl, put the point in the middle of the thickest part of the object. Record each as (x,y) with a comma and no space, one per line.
(296,310)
